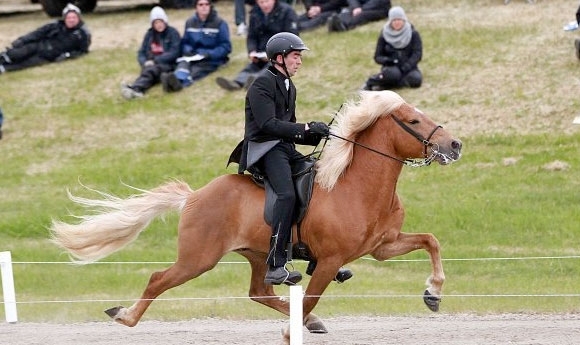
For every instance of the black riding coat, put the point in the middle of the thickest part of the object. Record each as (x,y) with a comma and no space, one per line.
(271,116)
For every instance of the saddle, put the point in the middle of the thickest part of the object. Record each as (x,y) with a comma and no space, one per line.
(303,174)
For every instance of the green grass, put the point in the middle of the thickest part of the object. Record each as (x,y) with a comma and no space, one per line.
(484,81)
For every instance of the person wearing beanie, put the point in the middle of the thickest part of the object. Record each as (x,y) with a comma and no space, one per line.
(359,12)
(399,50)
(205,46)
(158,52)
(63,39)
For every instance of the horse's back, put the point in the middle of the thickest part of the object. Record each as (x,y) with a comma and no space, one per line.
(229,204)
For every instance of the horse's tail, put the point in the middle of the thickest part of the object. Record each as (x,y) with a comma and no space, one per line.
(117,222)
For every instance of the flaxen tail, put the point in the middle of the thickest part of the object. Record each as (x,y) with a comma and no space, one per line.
(116,222)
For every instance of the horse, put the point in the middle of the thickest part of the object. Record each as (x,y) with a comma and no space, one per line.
(355,211)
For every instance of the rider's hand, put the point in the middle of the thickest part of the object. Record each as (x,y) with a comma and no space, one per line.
(320,128)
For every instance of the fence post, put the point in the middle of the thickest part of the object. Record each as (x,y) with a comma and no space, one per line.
(8,287)
(296,320)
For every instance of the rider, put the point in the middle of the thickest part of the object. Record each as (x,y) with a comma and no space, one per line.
(271,132)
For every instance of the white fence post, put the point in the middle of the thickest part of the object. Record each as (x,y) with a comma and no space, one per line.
(296,319)
(8,287)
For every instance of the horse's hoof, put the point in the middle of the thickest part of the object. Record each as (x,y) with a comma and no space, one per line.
(113,311)
(431,301)
(316,327)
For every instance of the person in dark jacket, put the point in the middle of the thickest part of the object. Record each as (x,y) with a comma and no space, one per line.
(271,132)
(399,50)
(359,12)
(205,47)
(318,12)
(268,18)
(269,146)
(158,53)
(63,39)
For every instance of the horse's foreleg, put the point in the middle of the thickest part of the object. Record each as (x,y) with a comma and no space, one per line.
(406,243)
(322,276)
(264,294)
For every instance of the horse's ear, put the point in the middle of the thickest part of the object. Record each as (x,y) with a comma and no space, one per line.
(236,154)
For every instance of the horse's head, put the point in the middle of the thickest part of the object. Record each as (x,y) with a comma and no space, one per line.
(420,140)
(383,123)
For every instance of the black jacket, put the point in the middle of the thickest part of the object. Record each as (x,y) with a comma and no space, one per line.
(261,28)
(406,58)
(271,116)
(56,39)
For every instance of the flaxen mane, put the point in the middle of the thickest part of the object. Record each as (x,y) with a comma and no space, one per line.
(353,118)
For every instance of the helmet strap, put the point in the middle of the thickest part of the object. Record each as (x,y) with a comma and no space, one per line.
(283,65)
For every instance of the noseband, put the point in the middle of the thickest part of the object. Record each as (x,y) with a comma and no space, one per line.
(426,142)
(415,163)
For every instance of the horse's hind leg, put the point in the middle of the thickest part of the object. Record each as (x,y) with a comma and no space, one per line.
(406,243)
(159,282)
(259,291)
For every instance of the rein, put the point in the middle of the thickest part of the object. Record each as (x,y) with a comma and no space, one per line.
(415,163)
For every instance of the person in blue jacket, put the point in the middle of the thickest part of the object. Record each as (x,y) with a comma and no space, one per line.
(205,47)
(158,52)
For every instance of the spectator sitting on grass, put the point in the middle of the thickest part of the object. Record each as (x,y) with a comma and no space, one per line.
(359,12)
(57,41)
(399,50)
(267,19)
(205,47)
(158,52)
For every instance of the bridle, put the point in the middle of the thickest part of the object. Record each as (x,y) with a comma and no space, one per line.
(412,162)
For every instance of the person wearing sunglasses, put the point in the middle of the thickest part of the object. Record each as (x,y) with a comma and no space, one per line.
(205,47)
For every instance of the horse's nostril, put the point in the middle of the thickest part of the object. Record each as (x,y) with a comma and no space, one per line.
(456,145)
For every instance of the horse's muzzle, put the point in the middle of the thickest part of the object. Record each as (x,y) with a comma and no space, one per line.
(450,154)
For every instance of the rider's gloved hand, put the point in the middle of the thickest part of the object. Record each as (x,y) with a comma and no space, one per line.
(320,128)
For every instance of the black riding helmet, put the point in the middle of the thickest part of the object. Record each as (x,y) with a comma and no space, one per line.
(283,43)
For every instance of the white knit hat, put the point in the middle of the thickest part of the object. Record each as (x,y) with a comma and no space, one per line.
(70,8)
(158,13)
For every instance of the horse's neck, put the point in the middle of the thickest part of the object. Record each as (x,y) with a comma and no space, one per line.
(372,176)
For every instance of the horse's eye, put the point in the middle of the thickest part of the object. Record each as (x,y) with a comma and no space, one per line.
(414,122)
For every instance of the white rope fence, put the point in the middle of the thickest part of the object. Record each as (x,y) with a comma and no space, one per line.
(296,293)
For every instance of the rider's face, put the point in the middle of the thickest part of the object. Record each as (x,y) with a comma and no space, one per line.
(293,62)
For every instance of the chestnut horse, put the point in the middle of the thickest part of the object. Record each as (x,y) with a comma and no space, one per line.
(354,211)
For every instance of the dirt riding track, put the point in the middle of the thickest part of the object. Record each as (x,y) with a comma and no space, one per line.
(437,329)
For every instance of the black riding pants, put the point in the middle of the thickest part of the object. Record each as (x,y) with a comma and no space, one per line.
(276,165)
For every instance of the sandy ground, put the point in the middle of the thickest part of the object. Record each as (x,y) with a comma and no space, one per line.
(438,329)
